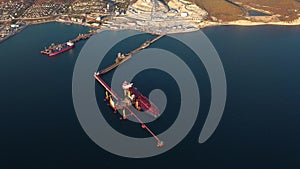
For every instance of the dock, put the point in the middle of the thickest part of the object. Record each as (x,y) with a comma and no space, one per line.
(52,47)
(83,37)
(129,55)
(131,113)
(105,85)
(116,64)
(121,58)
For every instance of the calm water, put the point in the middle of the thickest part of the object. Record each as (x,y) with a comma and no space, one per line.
(257,13)
(259,129)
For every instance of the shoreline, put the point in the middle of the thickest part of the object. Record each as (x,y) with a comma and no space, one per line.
(242,23)
(205,24)
(250,23)
(13,34)
(38,23)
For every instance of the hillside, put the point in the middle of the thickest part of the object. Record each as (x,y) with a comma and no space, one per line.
(226,10)
(287,10)
(220,9)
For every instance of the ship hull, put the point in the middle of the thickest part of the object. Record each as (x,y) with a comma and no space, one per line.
(60,51)
(145,104)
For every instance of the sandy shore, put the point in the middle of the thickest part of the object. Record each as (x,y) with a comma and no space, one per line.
(250,23)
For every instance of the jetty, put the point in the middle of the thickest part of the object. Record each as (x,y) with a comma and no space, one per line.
(121,58)
(55,49)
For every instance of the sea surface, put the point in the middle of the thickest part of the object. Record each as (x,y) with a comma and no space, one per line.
(260,127)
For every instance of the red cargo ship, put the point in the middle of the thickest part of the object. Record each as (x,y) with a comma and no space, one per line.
(59,49)
(138,100)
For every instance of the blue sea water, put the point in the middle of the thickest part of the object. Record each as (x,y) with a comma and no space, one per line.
(259,128)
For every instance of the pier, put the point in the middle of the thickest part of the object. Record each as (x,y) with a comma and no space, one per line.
(59,47)
(83,37)
(131,113)
(123,58)
(116,64)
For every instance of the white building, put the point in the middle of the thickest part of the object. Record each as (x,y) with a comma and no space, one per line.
(14,26)
(95,24)
(184,14)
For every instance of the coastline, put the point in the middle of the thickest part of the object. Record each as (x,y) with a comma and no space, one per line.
(249,23)
(13,34)
(204,24)
(38,23)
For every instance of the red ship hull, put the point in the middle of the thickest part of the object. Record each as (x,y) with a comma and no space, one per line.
(145,104)
(60,51)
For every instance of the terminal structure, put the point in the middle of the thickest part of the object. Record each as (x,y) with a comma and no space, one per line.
(132,97)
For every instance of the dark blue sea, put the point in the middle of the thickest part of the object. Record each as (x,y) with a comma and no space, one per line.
(260,127)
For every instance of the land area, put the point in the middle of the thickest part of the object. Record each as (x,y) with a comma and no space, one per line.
(155,16)
(231,10)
